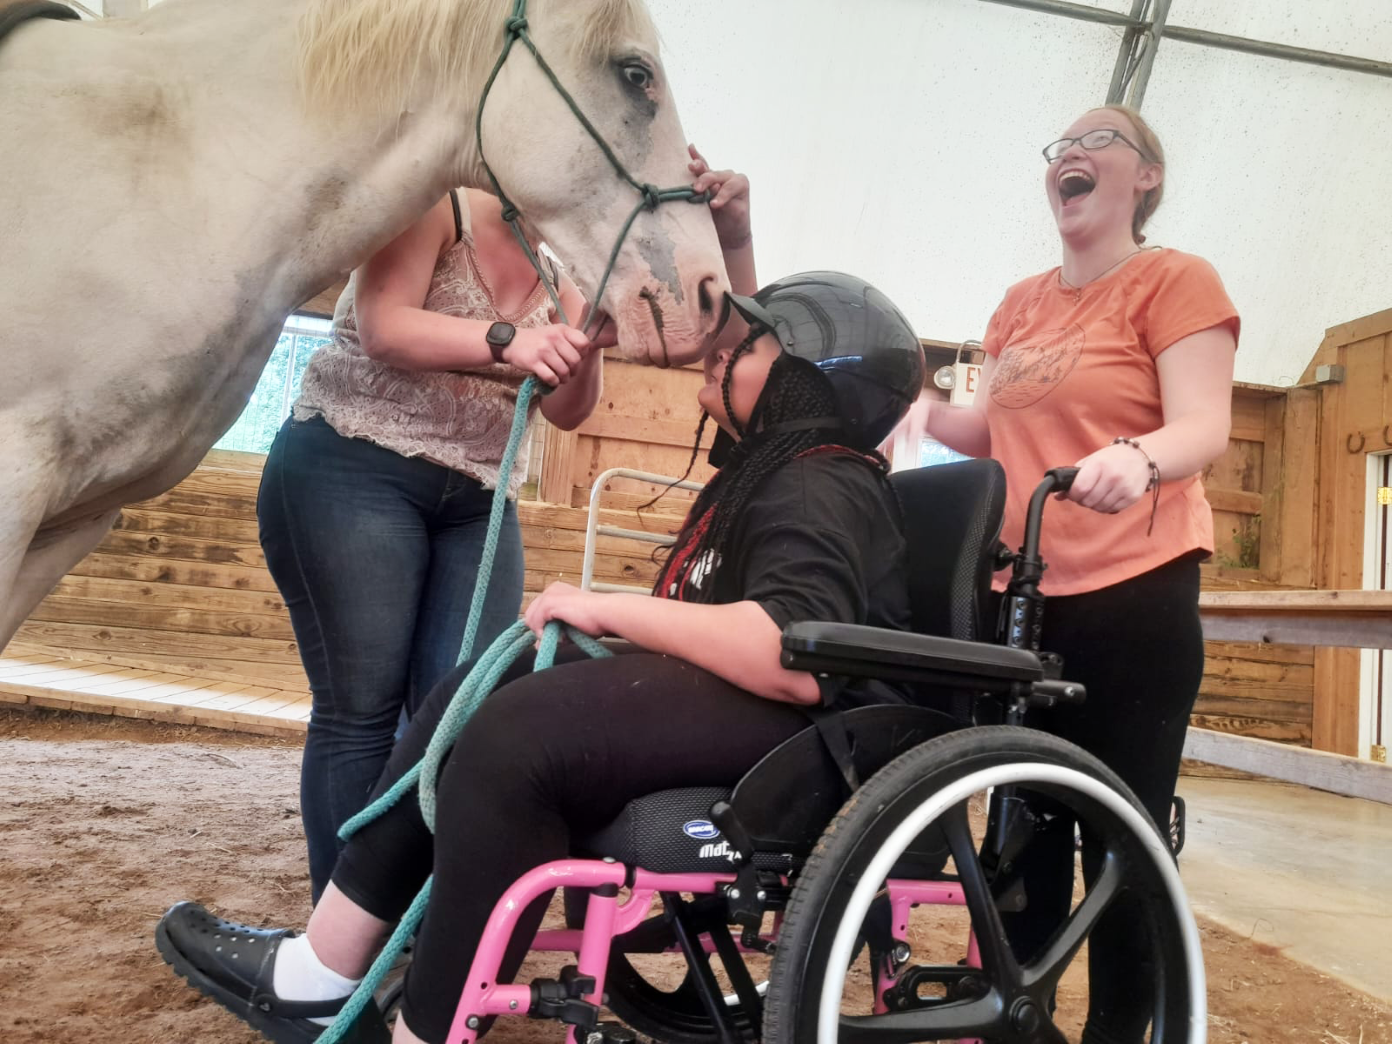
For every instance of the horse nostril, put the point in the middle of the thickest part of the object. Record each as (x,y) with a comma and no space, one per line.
(703,296)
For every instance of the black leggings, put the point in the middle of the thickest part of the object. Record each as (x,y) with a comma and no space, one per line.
(1138,648)
(548,756)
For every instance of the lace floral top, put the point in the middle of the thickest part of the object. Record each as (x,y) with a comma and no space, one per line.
(459,419)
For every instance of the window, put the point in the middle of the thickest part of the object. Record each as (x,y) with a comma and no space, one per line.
(279,385)
(931,451)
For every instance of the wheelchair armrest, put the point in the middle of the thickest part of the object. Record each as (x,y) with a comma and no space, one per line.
(876,652)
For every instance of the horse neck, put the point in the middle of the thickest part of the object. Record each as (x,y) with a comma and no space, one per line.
(345,181)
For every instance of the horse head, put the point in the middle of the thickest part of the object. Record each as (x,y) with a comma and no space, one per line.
(575,185)
(665,291)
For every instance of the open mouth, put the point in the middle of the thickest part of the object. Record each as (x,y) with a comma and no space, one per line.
(1074,185)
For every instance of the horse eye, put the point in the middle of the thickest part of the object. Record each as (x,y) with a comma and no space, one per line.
(638,76)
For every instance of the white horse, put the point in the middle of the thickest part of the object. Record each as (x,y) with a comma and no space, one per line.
(173,185)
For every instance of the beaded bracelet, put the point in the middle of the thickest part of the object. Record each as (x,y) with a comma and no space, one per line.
(1153,486)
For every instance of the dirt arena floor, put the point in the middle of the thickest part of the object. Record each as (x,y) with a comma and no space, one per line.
(105,822)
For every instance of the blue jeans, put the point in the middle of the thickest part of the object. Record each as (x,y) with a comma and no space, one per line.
(375,555)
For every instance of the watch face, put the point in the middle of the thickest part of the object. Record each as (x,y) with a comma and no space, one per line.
(500,334)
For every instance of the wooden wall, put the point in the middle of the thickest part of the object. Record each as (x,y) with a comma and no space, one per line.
(1235,482)
(1248,689)
(180,584)
(1328,494)
(646,420)
(1313,486)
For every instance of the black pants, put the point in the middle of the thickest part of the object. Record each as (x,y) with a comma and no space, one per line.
(547,756)
(1138,648)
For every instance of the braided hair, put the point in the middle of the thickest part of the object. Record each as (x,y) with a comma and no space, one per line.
(794,391)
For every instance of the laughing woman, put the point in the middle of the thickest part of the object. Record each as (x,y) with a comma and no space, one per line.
(1120,361)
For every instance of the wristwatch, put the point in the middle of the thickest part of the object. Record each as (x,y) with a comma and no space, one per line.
(499,336)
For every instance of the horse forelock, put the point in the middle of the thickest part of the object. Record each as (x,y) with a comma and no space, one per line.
(596,27)
(372,53)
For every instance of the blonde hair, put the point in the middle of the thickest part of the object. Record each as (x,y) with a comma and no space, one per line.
(371,53)
(1151,152)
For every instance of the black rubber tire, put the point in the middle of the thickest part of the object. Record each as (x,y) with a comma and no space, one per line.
(674,1017)
(861,829)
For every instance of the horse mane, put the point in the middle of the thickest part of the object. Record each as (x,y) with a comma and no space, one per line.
(373,53)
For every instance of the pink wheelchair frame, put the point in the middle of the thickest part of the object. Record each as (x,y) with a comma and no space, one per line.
(606,917)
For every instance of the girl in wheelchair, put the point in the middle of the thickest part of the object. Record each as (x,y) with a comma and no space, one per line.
(800,523)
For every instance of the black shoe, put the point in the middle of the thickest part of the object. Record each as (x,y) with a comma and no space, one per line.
(234,965)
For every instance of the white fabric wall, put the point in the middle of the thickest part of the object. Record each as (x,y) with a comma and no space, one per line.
(899,139)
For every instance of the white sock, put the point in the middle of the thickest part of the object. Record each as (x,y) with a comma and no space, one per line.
(299,975)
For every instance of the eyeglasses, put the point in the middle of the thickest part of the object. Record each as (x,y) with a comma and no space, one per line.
(1092,140)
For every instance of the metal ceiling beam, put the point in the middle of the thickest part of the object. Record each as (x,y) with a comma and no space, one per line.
(1274,50)
(1151,37)
(1134,23)
(1125,66)
(1082,12)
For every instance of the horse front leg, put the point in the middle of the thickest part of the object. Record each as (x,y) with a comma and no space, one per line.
(31,563)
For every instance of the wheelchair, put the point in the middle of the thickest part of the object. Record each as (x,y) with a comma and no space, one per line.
(790,897)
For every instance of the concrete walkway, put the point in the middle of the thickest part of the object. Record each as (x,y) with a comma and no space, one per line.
(1304,870)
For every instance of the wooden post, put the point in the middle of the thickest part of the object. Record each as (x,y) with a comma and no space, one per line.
(1273,490)
(1294,490)
(557,465)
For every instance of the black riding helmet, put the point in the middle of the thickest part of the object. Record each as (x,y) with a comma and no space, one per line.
(855,337)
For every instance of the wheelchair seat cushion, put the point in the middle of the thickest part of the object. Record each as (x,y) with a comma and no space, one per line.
(670,832)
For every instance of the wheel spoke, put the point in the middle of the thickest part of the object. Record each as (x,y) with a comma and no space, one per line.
(982,1017)
(997,960)
(1041,976)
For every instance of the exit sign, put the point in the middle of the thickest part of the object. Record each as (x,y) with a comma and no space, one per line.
(966,377)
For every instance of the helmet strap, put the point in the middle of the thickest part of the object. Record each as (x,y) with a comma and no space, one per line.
(804,424)
(723,447)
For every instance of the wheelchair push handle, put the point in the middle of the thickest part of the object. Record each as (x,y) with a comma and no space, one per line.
(1062,479)
(1056,480)
(1020,611)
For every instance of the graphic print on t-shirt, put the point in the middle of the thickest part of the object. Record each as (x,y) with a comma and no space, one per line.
(1029,370)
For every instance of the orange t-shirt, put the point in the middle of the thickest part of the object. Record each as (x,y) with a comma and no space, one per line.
(1074,370)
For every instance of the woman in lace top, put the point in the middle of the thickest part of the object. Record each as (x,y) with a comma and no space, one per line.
(375,497)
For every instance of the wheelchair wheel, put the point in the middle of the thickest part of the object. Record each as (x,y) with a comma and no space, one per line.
(1007,1001)
(668,1016)
(635,992)
(1177,825)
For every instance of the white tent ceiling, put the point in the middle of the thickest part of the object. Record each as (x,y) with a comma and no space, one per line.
(900,139)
